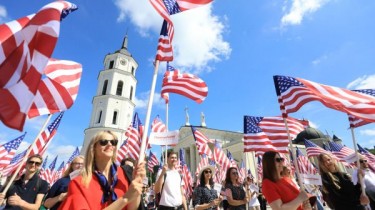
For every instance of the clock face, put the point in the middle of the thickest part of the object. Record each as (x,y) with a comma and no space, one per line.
(123,62)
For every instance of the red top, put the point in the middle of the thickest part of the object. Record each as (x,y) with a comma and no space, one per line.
(80,197)
(283,189)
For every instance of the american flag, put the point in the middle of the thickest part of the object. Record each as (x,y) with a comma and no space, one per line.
(152,161)
(242,171)
(186,175)
(46,136)
(48,174)
(71,158)
(203,162)
(184,84)
(220,157)
(370,157)
(8,150)
(304,165)
(13,164)
(58,91)
(26,46)
(260,168)
(122,151)
(249,174)
(293,93)
(233,162)
(263,134)
(357,122)
(165,50)
(313,150)
(59,172)
(202,143)
(157,125)
(134,134)
(341,152)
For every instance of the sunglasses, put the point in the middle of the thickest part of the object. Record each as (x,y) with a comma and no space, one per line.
(104,142)
(363,161)
(81,164)
(208,172)
(235,173)
(34,162)
(279,160)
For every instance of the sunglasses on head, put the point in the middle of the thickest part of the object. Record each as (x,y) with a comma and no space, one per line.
(208,172)
(363,161)
(34,162)
(104,142)
(279,160)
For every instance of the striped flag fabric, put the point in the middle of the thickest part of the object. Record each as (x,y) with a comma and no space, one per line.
(242,171)
(184,84)
(340,151)
(152,161)
(8,150)
(220,157)
(313,150)
(203,162)
(71,158)
(122,151)
(17,159)
(202,143)
(157,126)
(186,175)
(293,93)
(233,162)
(59,172)
(357,122)
(48,174)
(58,91)
(304,165)
(164,50)
(26,46)
(263,134)
(46,136)
(134,134)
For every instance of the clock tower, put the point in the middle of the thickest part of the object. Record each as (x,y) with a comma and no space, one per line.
(113,104)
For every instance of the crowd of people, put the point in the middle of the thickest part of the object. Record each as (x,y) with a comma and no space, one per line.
(94,181)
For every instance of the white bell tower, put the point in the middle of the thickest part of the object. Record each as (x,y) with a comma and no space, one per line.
(113,105)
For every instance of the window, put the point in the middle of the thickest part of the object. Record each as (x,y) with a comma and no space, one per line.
(111,63)
(114,119)
(131,93)
(104,91)
(99,117)
(120,84)
(132,70)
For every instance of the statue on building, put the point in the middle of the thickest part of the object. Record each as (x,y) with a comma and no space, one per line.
(203,120)
(187,123)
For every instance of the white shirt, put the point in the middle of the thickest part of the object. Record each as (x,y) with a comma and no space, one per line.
(171,192)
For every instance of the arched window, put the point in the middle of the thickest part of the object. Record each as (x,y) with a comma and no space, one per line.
(99,117)
(104,91)
(114,119)
(131,93)
(111,63)
(120,84)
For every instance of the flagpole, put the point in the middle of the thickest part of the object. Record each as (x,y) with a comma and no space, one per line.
(148,113)
(357,155)
(255,167)
(294,155)
(166,125)
(26,155)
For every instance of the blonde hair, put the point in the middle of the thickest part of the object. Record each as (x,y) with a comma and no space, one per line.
(89,165)
(324,170)
(70,169)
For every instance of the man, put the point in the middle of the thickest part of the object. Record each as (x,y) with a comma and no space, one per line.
(28,191)
(369,180)
(168,180)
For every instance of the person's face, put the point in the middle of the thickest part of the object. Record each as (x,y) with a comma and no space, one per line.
(279,163)
(329,163)
(172,160)
(363,163)
(33,164)
(207,173)
(105,147)
(233,175)
(77,164)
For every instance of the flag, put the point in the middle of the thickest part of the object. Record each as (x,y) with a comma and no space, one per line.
(184,84)
(59,172)
(48,174)
(134,134)
(58,91)
(357,122)
(202,143)
(152,161)
(26,45)
(260,168)
(263,134)
(122,151)
(186,175)
(304,165)
(313,150)
(158,126)
(249,174)
(17,159)
(242,171)
(220,157)
(370,157)
(341,152)
(293,93)
(165,50)
(8,150)
(203,162)
(46,136)
(233,162)
(71,158)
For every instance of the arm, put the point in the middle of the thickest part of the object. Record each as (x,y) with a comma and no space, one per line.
(16,200)
(50,202)
(183,199)
(160,180)
(233,202)
(294,204)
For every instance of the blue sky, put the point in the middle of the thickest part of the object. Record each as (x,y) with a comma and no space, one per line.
(234,46)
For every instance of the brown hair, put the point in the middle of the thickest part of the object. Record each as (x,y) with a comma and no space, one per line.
(325,172)
(35,156)
(227,176)
(70,169)
(171,152)
(269,166)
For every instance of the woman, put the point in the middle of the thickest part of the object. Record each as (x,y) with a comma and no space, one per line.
(205,195)
(236,195)
(340,192)
(280,192)
(58,191)
(254,191)
(103,184)
(286,172)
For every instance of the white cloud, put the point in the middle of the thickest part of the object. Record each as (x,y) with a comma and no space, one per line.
(142,100)
(313,124)
(319,60)
(364,82)
(299,9)
(367,132)
(198,36)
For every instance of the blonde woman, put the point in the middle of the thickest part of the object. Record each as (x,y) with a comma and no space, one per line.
(103,184)
(338,188)
(59,189)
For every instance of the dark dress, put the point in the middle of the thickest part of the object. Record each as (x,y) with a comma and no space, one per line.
(204,195)
(345,198)
(60,186)
(238,193)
